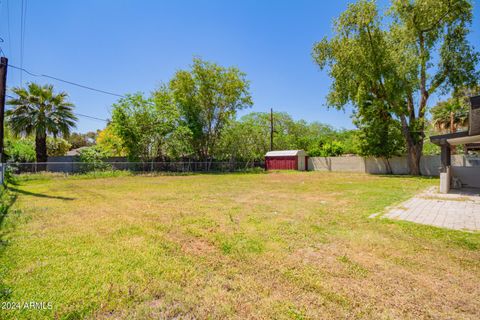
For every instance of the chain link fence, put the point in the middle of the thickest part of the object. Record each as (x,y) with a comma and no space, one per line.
(140,167)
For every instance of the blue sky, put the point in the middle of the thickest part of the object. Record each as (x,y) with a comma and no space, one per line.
(127,46)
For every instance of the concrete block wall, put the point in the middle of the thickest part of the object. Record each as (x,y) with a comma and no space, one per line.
(469,176)
(458,161)
(429,165)
(375,165)
(319,164)
(399,165)
(351,164)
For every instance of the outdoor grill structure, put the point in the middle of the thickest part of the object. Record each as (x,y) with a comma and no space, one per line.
(286,160)
(466,176)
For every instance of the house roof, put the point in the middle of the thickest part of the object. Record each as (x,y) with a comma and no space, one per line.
(464,140)
(285,153)
(75,152)
(456,138)
(443,138)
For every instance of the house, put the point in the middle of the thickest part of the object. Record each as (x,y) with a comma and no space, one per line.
(465,176)
(75,152)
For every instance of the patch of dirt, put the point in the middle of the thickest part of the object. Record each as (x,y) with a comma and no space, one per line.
(155,309)
(191,245)
(393,291)
(198,247)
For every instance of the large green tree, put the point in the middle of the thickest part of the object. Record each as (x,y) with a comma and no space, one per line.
(38,111)
(248,138)
(208,97)
(251,135)
(398,63)
(379,134)
(243,141)
(144,124)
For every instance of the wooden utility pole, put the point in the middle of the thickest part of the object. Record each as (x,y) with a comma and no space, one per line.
(271,129)
(3,88)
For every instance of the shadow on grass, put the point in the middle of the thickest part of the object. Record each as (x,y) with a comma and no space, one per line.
(405,176)
(40,195)
(6,201)
(25,177)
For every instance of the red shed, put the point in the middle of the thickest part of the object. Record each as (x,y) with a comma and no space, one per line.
(286,160)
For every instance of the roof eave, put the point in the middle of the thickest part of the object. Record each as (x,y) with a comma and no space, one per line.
(443,138)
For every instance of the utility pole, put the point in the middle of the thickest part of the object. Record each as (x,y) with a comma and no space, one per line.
(3,87)
(271,129)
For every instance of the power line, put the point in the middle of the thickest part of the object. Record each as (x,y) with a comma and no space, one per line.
(90,117)
(66,81)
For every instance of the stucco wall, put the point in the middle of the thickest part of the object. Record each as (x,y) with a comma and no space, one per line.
(352,164)
(301,163)
(399,165)
(429,165)
(319,164)
(468,176)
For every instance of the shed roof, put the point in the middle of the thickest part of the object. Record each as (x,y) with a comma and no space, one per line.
(285,153)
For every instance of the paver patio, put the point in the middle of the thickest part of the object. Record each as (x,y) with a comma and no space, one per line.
(459,210)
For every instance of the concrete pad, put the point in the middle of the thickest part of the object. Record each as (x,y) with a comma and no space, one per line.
(459,209)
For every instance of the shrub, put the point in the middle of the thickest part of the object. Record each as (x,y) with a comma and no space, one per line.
(21,150)
(57,147)
(328,149)
(92,159)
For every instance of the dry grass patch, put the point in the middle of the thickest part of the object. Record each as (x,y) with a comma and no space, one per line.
(280,245)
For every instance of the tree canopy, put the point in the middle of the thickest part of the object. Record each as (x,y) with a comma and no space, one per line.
(452,114)
(396,64)
(38,111)
(248,138)
(144,124)
(208,97)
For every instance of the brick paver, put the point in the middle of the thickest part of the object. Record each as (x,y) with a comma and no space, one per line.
(459,210)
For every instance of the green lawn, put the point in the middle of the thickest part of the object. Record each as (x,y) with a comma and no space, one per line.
(279,245)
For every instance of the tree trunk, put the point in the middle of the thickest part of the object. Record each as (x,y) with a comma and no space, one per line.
(414,155)
(387,165)
(414,147)
(41,148)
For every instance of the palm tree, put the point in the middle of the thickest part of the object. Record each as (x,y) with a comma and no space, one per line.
(450,115)
(38,111)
